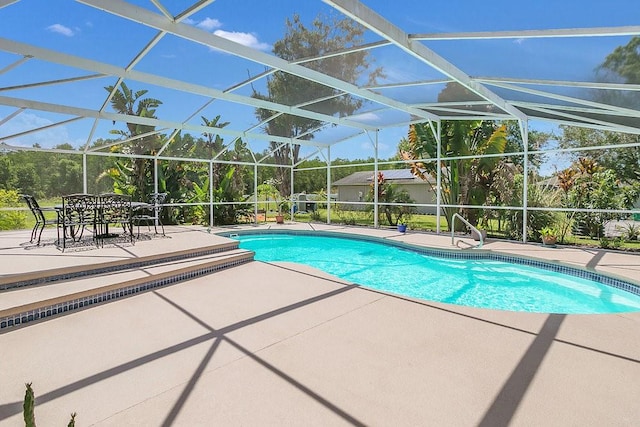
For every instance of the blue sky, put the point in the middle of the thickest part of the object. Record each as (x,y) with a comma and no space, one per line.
(81,30)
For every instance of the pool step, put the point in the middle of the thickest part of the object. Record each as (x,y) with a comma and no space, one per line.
(57,295)
(39,277)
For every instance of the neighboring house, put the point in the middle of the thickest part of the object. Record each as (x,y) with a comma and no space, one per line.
(551,183)
(355,187)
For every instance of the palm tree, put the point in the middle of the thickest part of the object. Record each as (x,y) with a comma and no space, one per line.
(213,145)
(125,101)
(464,181)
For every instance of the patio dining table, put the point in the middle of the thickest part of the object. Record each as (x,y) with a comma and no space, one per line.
(77,211)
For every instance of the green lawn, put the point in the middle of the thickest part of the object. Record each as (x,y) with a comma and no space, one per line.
(632,245)
(428,223)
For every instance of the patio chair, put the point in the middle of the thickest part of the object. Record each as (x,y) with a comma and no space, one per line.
(150,212)
(78,212)
(39,214)
(113,209)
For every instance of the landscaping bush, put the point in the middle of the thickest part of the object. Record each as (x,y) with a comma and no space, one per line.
(10,219)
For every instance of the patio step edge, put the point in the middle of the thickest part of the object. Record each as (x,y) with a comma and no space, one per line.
(44,309)
(64,273)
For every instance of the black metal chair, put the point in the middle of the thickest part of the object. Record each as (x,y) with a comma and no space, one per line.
(40,217)
(150,212)
(78,212)
(113,209)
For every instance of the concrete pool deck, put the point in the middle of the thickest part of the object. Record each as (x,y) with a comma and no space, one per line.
(282,344)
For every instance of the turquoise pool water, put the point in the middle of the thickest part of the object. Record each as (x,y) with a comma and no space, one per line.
(478,283)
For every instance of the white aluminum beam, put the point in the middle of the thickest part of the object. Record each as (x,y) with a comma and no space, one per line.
(451,104)
(531,34)
(51,82)
(41,128)
(565,108)
(154,41)
(465,112)
(370,19)
(589,120)
(162,9)
(124,141)
(15,64)
(153,20)
(107,69)
(4,3)
(87,113)
(562,83)
(609,128)
(586,119)
(604,107)
(410,84)
(11,116)
(195,8)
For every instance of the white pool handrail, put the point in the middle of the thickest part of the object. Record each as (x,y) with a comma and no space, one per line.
(468,224)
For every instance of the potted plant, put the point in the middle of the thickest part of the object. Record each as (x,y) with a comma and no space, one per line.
(402,226)
(549,236)
(280,215)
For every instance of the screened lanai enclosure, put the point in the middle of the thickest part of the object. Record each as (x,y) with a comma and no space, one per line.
(512,114)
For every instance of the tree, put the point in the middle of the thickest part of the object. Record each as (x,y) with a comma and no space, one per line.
(464,181)
(311,180)
(588,185)
(124,101)
(515,144)
(507,190)
(213,145)
(624,161)
(67,178)
(28,179)
(621,66)
(8,177)
(96,166)
(325,35)
(625,61)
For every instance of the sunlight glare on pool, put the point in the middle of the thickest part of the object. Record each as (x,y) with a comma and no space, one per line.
(478,283)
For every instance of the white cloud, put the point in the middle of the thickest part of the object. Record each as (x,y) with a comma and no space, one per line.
(365,117)
(208,24)
(246,39)
(46,138)
(61,29)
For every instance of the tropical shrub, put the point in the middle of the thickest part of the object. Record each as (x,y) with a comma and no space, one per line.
(586,185)
(224,192)
(630,231)
(11,219)
(390,193)
(465,181)
(536,220)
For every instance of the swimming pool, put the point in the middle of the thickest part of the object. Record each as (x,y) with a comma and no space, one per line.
(467,278)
